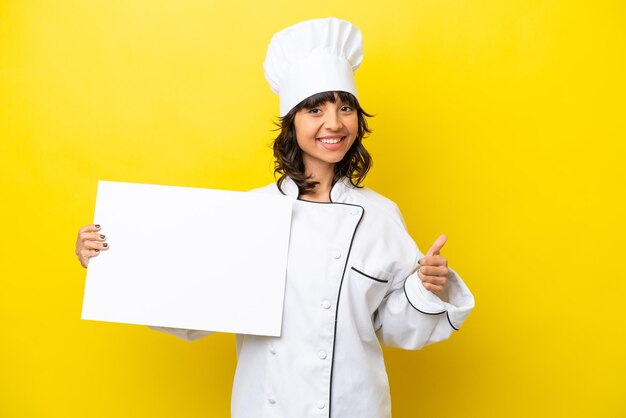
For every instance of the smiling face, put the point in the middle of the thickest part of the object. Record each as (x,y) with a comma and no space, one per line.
(325,133)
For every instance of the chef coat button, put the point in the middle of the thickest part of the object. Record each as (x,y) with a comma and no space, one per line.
(353,212)
(336,254)
(325,304)
(321,404)
(271,400)
(322,354)
(272,349)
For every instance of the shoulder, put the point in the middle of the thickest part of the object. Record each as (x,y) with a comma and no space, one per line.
(374,201)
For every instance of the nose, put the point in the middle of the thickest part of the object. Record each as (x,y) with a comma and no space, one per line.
(333,121)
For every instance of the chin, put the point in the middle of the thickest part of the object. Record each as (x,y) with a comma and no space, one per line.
(335,160)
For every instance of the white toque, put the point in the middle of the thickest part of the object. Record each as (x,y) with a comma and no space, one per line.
(312,57)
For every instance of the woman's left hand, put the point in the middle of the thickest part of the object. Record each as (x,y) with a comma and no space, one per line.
(433,269)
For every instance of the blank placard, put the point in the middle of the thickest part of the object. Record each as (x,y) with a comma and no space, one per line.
(190,258)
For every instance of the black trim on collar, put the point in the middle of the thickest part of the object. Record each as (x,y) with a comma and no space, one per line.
(322,203)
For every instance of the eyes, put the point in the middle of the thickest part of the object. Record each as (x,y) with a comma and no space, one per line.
(318,110)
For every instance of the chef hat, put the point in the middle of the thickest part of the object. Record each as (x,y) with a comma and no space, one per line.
(312,57)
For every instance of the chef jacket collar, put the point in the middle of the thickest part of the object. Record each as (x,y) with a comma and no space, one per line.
(336,192)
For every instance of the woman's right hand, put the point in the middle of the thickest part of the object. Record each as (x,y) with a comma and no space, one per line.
(89,243)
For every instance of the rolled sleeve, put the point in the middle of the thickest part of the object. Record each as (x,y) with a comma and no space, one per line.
(412,317)
(459,305)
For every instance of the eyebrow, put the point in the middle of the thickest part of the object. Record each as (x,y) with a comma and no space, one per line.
(337,102)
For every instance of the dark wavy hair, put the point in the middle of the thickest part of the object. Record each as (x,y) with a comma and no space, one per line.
(354,165)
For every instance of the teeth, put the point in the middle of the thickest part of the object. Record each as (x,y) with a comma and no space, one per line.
(330,141)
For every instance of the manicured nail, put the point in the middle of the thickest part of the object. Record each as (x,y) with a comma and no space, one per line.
(97,250)
(97,226)
(105,245)
(102,236)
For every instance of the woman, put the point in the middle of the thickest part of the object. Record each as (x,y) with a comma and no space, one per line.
(353,280)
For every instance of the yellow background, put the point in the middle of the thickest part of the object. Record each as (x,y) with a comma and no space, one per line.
(500,123)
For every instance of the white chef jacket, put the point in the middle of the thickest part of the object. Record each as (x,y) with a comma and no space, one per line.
(351,285)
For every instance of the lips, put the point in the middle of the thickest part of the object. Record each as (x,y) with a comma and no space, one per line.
(331,144)
(330,140)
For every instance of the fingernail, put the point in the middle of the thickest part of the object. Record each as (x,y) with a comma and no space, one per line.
(102,236)
(97,226)
(97,250)
(105,245)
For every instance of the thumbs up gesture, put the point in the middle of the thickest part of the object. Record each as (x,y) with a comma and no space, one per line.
(433,269)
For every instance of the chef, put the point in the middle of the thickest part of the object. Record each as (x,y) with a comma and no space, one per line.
(355,278)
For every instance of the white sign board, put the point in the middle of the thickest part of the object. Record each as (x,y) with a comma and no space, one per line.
(189,258)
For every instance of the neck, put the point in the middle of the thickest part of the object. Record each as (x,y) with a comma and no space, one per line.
(323,174)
